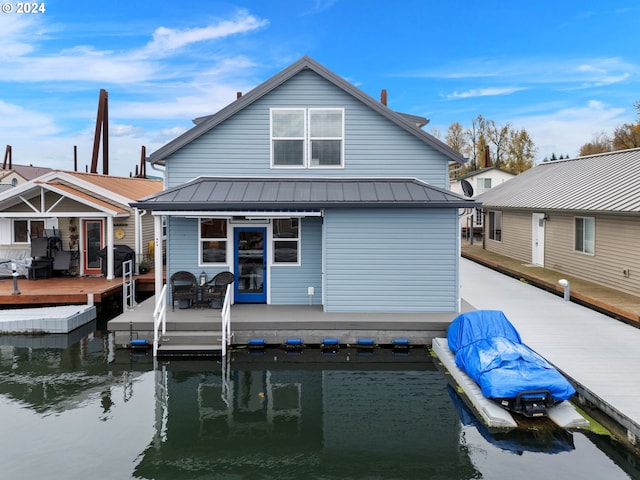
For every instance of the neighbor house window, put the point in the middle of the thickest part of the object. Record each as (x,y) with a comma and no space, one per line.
(307,138)
(213,240)
(495,226)
(286,240)
(585,234)
(478,217)
(23,230)
(483,184)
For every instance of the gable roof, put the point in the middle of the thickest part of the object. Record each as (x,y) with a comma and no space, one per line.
(128,187)
(204,124)
(29,172)
(105,193)
(606,182)
(480,171)
(238,193)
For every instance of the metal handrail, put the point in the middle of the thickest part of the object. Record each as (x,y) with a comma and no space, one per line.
(128,286)
(226,321)
(159,318)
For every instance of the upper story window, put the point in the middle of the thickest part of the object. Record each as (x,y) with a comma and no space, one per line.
(307,137)
(483,184)
(585,235)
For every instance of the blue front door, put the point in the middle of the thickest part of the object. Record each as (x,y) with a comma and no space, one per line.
(250,265)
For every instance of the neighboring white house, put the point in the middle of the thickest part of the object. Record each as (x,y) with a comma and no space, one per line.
(480,181)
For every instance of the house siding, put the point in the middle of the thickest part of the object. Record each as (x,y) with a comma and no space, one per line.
(516,236)
(289,284)
(616,250)
(391,260)
(373,145)
(616,247)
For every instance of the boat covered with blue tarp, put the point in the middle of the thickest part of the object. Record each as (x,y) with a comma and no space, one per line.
(489,349)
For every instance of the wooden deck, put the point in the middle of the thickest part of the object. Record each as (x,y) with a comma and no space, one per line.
(65,290)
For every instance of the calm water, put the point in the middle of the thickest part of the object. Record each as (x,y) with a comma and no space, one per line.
(71,410)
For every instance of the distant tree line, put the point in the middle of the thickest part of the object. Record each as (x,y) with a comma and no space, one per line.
(624,137)
(487,144)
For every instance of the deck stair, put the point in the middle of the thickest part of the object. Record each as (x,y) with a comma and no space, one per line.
(190,343)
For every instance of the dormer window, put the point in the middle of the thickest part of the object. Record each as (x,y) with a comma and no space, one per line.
(307,138)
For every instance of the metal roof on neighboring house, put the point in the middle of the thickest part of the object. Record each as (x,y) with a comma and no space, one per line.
(204,124)
(28,172)
(606,182)
(220,193)
(481,171)
(128,187)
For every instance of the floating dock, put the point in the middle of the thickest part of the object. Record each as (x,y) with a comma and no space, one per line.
(492,415)
(60,319)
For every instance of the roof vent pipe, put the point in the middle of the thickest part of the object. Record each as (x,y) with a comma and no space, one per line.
(383,97)
(238,95)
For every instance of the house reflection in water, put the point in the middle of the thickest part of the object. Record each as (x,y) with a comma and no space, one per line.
(291,420)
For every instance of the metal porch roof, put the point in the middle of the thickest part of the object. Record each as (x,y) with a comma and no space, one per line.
(216,193)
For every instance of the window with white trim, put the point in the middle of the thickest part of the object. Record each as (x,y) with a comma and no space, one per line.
(307,138)
(495,226)
(213,240)
(23,230)
(286,240)
(585,235)
(483,184)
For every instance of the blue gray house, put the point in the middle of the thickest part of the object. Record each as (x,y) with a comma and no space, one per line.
(312,192)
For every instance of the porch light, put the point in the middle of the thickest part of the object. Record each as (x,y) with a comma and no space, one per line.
(203,278)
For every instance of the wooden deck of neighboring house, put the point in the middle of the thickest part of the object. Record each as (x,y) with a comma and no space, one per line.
(66,290)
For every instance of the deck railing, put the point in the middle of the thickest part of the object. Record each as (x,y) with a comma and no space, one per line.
(128,286)
(159,318)
(226,321)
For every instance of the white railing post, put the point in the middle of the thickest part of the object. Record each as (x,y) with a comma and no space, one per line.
(128,285)
(226,320)
(159,318)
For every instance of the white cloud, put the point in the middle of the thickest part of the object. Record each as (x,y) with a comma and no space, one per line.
(16,121)
(565,131)
(166,40)
(576,72)
(484,92)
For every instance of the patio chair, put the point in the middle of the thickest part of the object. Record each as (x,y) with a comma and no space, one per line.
(62,261)
(215,289)
(183,287)
(41,262)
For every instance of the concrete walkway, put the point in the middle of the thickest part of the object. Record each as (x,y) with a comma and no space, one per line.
(598,353)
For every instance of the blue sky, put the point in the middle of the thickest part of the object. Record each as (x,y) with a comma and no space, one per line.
(564,70)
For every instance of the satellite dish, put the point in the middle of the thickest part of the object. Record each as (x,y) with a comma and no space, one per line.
(466,188)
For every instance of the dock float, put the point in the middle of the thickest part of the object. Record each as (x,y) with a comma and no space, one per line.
(60,319)
(563,415)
